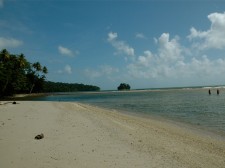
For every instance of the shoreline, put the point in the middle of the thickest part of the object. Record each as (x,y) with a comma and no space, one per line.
(25,97)
(89,136)
(127,91)
(198,129)
(30,95)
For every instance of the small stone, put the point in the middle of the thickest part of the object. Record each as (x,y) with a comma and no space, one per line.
(40,136)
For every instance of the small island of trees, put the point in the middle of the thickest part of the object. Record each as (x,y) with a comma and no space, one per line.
(123,86)
(18,75)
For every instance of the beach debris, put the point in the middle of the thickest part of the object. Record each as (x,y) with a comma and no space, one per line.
(14,102)
(39,136)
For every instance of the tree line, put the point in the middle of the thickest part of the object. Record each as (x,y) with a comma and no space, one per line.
(68,87)
(18,75)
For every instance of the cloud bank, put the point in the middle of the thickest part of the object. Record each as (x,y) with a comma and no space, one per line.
(174,63)
(214,38)
(140,36)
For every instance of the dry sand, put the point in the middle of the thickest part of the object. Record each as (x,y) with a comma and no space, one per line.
(78,135)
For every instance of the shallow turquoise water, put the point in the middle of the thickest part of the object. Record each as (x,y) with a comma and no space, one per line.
(192,106)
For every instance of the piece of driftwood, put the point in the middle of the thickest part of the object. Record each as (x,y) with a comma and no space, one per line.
(40,136)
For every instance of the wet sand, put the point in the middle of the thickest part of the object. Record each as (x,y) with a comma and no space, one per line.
(78,135)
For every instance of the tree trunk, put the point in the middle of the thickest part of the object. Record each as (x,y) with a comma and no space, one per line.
(32,87)
(5,86)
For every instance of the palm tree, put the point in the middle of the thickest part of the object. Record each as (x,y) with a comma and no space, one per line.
(4,55)
(6,72)
(45,70)
(17,74)
(22,61)
(34,75)
(21,66)
(37,66)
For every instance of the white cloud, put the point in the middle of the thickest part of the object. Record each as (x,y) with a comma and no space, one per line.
(140,36)
(9,42)
(156,65)
(200,69)
(119,45)
(172,64)
(168,64)
(112,36)
(169,50)
(145,59)
(67,52)
(1,3)
(67,70)
(212,38)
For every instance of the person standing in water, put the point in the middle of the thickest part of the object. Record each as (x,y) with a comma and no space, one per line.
(218,92)
(209,92)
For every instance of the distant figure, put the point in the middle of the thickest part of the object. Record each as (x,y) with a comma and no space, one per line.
(218,92)
(209,92)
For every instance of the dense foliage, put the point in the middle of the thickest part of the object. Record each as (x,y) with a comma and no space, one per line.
(123,86)
(68,87)
(17,75)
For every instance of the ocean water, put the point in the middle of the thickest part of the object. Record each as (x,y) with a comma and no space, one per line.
(190,106)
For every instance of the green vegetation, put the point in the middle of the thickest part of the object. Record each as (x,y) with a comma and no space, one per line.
(68,87)
(17,75)
(123,86)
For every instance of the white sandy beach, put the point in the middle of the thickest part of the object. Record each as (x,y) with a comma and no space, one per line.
(82,136)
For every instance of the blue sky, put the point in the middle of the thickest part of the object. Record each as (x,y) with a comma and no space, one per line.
(148,44)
